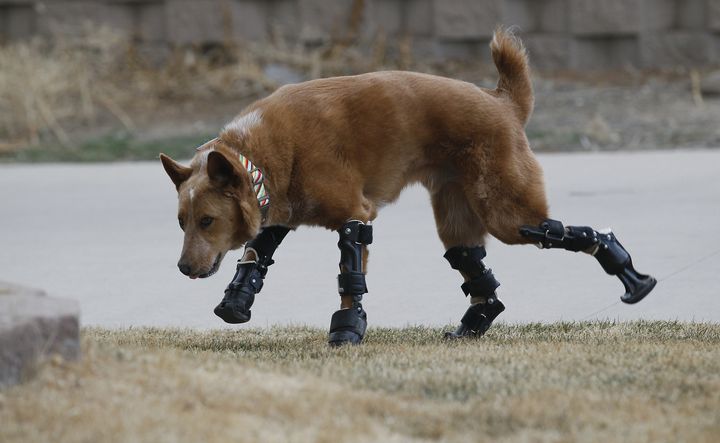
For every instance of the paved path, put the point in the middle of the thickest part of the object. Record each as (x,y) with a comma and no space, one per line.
(106,235)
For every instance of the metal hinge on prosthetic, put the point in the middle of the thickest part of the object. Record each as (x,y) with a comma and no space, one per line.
(349,325)
(351,280)
(481,286)
(481,281)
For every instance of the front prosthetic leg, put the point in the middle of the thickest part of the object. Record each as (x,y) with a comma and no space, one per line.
(349,325)
(248,279)
(605,247)
(481,286)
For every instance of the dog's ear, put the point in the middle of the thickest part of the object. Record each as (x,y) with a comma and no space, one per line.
(177,172)
(219,169)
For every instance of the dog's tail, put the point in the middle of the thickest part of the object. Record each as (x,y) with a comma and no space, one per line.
(511,61)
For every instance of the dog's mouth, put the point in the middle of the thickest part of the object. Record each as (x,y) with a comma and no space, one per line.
(213,269)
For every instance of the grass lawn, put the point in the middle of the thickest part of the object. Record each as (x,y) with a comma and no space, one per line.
(568,382)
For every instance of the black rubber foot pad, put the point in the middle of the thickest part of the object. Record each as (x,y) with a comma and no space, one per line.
(340,338)
(645,286)
(347,326)
(477,320)
(232,313)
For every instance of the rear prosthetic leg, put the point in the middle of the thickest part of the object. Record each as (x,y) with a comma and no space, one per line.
(605,247)
(480,285)
(349,325)
(248,279)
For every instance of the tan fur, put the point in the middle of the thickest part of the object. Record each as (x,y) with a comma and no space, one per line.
(341,148)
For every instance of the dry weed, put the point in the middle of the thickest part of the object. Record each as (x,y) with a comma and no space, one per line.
(50,88)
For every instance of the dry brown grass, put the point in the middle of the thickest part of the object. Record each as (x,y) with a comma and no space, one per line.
(50,89)
(643,381)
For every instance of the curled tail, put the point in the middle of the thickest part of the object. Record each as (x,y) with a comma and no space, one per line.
(511,61)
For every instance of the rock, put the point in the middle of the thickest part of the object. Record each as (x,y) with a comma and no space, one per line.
(710,84)
(34,327)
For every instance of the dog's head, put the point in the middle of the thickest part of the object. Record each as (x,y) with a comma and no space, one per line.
(217,209)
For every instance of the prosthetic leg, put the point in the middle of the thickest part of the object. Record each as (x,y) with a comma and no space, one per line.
(248,279)
(605,247)
(480,285)
(349,325)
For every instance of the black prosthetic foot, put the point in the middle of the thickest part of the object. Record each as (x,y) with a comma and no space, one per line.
(348,326)
(249,274)
(235,306)
(615,260)
(637,285)
(478,319)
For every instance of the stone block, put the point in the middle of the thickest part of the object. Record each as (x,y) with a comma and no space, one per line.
(536,15)
(692,14)
(467,19)
(710,84)
(73,17)
(603,53)
(656,15)
(523,14)
(418,17)
(283,18)
(713,14)
(605,18)
(554,15)
(323,21)
(386,16)
(34,327)
(676,49)
(247,20)
(149,21)
(548,51)
(477,50)
(198,21)
(17,21)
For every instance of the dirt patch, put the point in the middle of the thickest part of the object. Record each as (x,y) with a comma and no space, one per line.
(641,381)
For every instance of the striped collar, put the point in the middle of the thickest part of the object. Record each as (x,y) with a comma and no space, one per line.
(257,180)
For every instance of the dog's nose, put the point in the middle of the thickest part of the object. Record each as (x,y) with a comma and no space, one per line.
(185,269)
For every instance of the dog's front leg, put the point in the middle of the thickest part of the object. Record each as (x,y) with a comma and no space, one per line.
(248,279)
(348,325)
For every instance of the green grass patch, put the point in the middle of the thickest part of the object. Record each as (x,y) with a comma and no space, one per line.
(113,147)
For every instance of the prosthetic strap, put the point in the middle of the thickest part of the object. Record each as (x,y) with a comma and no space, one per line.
(481,285)
(481,281)
(248,280)
(478,319)
(349,325)
(605,247)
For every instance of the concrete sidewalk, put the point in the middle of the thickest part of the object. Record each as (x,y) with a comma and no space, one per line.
(107,236)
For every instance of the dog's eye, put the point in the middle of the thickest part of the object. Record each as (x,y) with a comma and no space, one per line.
(206,221)
(181,222)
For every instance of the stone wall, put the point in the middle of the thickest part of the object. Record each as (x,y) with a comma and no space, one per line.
(576,34)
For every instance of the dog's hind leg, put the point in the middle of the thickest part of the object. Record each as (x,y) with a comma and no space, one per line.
(463,234)
(348,325)
(519,216)
(248,279)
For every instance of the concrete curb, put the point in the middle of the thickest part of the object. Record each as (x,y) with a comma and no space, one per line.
(32,328)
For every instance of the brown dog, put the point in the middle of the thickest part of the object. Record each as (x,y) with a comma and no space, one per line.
(332,152)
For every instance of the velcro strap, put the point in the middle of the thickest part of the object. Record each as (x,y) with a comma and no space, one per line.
(482,286)
(365,234)
(348,320)
(466,259)
(351,283)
